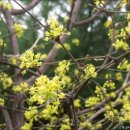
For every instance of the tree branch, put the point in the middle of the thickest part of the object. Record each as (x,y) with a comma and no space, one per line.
(54,51)
(88,20)
(7,118)
(13,39)
(92,18)
(103,109)
(18,98)
(28,7)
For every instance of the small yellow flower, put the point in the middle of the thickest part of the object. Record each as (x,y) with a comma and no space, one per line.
(108,23)
(55,30)
(120,44)
(92,101)
(76,41)
(30,60)
(19,30)
(1,102)
(7,6)
(27,126)
(77,103)
(90,70)
(5,80)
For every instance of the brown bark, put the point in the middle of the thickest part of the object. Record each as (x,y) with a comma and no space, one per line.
(17,117)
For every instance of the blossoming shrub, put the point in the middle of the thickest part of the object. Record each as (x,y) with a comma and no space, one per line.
(86,93)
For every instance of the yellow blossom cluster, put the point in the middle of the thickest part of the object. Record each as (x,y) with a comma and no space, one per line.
(46,92)
(107,89)
(27,126)
(124,65)
(63,67)
(62,70)
(98,126)
(5,80)
(128,16)
(101,93)
(108,76)
(75,41)
(119,76)
(1,102)
(46,89)
(77,103)
(99,90)
(21,88)
(18,29)
(87,125)
(31,113)
(30,60)
(50,110)
(13,60)
(65,125)
(92,101)
(66,45)
(127,29)
(124,2)
(1,42)
(55,30)
(125,110)
(99,2)
(111,114)
(2,126)
(120,44)
(121,36)
(109,84)
(90,126)
(90,70)
(108,23)
(82,118)
(7,6)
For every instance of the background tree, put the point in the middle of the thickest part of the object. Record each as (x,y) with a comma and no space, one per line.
(64,65)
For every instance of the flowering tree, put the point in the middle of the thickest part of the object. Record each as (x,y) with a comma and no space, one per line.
(38,91)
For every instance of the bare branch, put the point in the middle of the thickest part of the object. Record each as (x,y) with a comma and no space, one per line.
(113,39)
(7,118)
(75,11)
(34,44)
(13,39)
(88,20)
(28,7)
(92,18)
